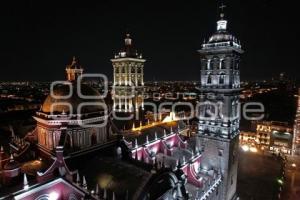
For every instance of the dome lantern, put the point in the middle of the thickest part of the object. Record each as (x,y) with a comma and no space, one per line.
(74,70)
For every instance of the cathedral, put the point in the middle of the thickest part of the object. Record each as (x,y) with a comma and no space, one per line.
(78,151)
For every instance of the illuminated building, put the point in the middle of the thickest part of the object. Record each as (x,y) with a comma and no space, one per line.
(128,83)
(219,93)
(296,139)
(270,136)
(70,154)
(65,117)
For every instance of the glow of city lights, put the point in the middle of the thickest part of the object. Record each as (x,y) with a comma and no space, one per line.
(53,196)
(245,148)
(253,149)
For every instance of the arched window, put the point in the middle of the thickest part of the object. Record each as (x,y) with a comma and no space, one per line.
(215,63)
(208,66)
(222,64)
(123,69)
(139,70)
(237,64)
(209,79)
(221,78)
(132,69)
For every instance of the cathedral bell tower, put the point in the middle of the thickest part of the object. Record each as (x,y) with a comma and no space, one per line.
(128,86)
(218,127)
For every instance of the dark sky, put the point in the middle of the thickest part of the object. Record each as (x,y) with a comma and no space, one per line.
(38,38)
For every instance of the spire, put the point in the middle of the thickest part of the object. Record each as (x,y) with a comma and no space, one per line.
(1,149)
(25,182)
(222,23)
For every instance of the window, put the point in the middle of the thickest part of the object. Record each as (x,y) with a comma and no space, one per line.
(221,79)
(222,64)
(209,79)
(220,153)
(208,64)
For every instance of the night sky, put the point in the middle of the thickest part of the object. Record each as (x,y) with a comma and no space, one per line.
(39,38)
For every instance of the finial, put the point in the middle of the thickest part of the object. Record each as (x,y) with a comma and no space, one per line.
(74,60)
(84,184)
(25,182)
(136,143)
(128,40)
(105,194)
(155,135)
(147,139)
(77,178)
(11,157)
(113,196)
(1,149)
(97,190)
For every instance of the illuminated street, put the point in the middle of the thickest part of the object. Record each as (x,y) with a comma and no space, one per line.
(257,176)
(292,182)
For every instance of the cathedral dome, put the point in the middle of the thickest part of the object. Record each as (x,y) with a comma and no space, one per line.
(56,104)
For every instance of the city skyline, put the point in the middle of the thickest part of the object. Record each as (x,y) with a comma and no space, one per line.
(168,36)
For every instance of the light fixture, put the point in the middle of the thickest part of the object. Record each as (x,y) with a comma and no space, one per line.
(53,196)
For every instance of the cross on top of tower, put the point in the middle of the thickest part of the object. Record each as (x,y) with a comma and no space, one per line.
(221,7)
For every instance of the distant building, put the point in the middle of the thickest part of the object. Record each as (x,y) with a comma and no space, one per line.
(276,137)
(296,139)
(128,83)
